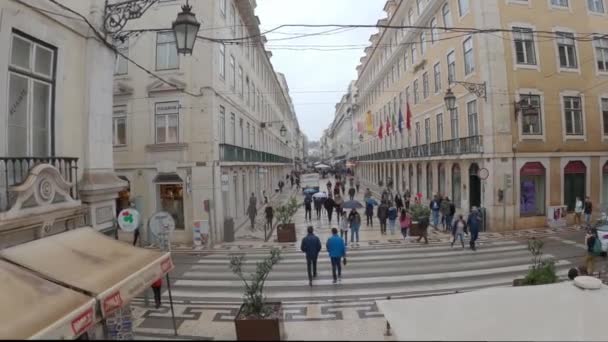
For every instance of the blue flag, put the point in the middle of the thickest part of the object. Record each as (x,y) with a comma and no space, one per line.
(400,121)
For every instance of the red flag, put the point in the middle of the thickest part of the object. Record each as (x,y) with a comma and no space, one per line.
(380,132)
(408,120)
(388,126)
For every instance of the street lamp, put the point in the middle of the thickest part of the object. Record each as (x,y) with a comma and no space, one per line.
(283,131)
(450,100)
(185,28)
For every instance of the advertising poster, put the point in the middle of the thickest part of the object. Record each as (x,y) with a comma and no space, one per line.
(201,233)
(557,216)
(119,325)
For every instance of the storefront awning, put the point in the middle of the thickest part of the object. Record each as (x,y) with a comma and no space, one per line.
(35,308)
(111,271)
(168,178)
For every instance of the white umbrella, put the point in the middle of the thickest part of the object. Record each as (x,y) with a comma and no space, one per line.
(322,166)
(320,195)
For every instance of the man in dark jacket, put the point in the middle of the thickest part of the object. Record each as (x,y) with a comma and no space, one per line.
(311,245)
(351,193)
(474,224)
(318,205)
(308,207)
(382,216)
(329,205)
(269,211)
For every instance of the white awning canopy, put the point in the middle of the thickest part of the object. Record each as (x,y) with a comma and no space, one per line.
(557,312)
(111,271)
(34,308)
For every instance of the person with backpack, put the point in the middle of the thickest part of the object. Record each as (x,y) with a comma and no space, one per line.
(344,227)
(337,250)
(383,216)
(435,206)
(308,207)
(354,220)
(474,224)
(405,222)
(588,208)
(459,228)
(594,248)
(351,193)
(311,245)
(329,205)
(392,219)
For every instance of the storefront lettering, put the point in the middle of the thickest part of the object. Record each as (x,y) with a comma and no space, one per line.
(112,302)
(83,322)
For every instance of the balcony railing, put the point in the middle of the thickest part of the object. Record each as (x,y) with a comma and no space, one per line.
(14,170)
(473,144)
(231,153)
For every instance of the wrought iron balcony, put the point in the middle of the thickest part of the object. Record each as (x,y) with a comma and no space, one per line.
(231,153)
(473,144)
(15,170)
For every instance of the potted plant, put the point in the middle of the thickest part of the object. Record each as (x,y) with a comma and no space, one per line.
(257,319)
(286,230)
(542,271)
(420,219)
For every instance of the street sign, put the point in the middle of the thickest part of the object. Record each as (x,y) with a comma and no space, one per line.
(128,220)
(225,182)
(161,222)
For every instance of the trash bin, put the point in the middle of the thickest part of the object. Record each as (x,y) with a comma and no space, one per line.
(229,229)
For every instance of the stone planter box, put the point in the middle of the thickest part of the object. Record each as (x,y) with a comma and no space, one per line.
(286,233)
(258,329)
(419,228)
(519,282)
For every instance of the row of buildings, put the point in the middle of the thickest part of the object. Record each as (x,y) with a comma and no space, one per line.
(190,135)
(514,119)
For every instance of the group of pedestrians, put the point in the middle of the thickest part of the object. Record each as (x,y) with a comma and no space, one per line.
(336,248)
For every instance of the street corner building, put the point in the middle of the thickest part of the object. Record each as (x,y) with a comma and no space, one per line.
(225,130)
(515,121)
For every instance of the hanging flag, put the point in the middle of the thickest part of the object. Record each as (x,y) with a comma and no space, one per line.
(408,121)
(388,126)
(380,132)
(369,123)
(394,124)
(400,121)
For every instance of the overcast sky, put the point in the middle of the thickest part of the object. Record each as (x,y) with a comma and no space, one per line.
(317,79)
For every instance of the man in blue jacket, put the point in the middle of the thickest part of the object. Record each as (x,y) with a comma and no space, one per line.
(474,224)
(337,250)
(311,245)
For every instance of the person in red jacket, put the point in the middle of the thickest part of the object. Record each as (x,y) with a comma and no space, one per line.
(156,288)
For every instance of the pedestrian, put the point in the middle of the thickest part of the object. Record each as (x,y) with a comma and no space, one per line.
(351,193)
(369,213)
(339,210)
(298,183)
(344,227)
(354,220)
(588,209)
(269,211)
(308,207)
(392,218)
(405,222)
(156,288)
(474,224)
(458,230)
(578,211)
(265,196)
(343,187)
(318,205)
(328,186)
(445,214)
(281,184)
(311,246)
(252,212)
(357,185)
(594,248)
(337,250)
(329,205)
(435,206)
(407,196)
(292,180)
(352,182)
(452,211)
(367,194)
(398,202)
(337,189)
(383,216)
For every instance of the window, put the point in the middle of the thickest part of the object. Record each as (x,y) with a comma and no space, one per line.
(30,98)
(119,125)
(241,83)
(439,127)
(232,73)
(405,59)
(222,127)
(413,54)
(425,85)
(524,46)
(437,77)
(605,116)
(463,7)
(420,6)
(451,67)
(233,16)
(407,94)
(172,202)
(417,137)
(410,16)
(531,119)
(427,131)
(434,31)
(242,132)
(247,89)
(233,128)
(167,122)
(559,3)
(454,129)
(121,65)
(416,98)
(601,53)
(596,6)
(532,189)
(223,7)
(166,51)
(472,117)
(422,44)
(222,60)
(469,60)
(567,50)
(574,115)
(447,15)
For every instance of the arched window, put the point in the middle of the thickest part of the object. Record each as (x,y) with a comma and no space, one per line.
(532,189)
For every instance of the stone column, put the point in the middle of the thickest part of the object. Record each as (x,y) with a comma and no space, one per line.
(99,186)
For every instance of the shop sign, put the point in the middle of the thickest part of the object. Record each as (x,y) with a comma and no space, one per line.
(225,182)
(556,216)
(83,322)
(128,220)
(112,302)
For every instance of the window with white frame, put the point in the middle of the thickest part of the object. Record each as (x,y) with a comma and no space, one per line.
(233,18)
(241,83)
(559,3)
(531,116)
(222,60)
(241,132)
(119,125)
(422,43)
(405,60)
(407,94)
(605,116)
(447,15)
(121,65)
(573,113)
(451,67)
(222,7)
(222,124)
(425,85)
(417,137)
(416,94)
(454,129)
(31,82)
(247,89)
(473,118)
(566,50)
(410,16)
(232,73)
(596,6)
(469,59)
(167,122)
(233,128)
(463,7)
(427,131)
(437,77)
(524,45)
(420,6)
(601,53)
(440,127)
(166,51)
(413,48)
(434,31)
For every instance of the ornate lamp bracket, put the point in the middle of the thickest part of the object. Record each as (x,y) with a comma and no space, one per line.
(479,89)
(117,14)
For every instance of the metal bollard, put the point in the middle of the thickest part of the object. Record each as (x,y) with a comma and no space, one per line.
(388,325)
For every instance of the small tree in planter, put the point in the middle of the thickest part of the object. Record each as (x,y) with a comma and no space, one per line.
(286,230)
(257,319)
(542,271)
(420,219)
